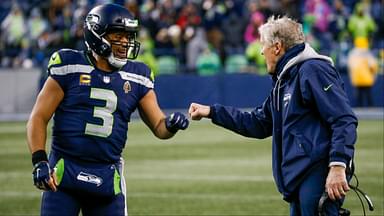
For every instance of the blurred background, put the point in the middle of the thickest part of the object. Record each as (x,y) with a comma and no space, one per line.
(205,51)
(208,50)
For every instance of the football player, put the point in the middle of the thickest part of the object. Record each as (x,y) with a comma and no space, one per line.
(92,95)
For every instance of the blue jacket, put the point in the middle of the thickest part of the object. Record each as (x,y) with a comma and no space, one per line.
(307,112)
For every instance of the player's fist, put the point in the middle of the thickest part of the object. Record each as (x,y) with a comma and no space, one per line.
(175,122)
(43,177)
(198,111)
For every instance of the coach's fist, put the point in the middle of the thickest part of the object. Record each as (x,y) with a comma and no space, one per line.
(175,122)
(198,111)
(44,177)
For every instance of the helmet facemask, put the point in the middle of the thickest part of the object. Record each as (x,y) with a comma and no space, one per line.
(121,51)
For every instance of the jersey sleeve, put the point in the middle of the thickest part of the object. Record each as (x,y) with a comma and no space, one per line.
(56,69)
(149,79)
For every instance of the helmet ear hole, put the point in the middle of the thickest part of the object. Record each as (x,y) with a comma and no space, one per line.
(98,44)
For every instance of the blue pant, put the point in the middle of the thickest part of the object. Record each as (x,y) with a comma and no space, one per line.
(69,203)
(309,192)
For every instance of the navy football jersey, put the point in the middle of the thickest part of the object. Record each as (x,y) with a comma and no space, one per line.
(91,122)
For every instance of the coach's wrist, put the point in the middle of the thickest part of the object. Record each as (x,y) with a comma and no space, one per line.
(38,156)
(211,111)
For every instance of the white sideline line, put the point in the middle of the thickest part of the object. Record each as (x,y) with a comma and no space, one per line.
(206,196)
(21,194)
(254,162)
(200,178)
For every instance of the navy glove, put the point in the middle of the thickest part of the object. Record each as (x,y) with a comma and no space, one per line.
(41,175)
(175,122)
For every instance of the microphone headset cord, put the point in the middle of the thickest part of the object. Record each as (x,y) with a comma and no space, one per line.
(345,212)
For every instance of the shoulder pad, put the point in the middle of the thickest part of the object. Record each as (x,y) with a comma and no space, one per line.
(66,61)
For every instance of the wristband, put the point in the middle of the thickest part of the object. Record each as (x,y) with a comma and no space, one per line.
(38,156)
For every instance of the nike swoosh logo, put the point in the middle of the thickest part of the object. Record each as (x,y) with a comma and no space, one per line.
(326,88)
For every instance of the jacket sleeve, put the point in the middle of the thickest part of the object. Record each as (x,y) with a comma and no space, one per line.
(322,88)
(257,123)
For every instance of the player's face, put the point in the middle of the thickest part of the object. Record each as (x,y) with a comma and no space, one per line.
(270,53)
(119,42)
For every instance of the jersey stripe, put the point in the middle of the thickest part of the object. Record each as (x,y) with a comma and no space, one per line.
(142,80)
(68,69)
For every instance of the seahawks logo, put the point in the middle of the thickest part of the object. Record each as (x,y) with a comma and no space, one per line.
(86,177)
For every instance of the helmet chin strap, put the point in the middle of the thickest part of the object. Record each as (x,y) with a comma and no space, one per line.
(116,62)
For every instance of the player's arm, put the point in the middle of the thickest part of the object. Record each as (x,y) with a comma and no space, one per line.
(162,127)
(47,101)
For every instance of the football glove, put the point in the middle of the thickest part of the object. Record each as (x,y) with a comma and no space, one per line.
(175,122)
(41,175)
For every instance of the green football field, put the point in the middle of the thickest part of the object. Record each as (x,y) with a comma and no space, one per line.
(203,171)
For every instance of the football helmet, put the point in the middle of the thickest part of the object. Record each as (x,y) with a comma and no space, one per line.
(107,18)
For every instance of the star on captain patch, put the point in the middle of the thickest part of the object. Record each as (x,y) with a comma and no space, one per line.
(85,79)
(127,87)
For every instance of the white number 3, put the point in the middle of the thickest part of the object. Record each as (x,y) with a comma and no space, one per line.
(105,113)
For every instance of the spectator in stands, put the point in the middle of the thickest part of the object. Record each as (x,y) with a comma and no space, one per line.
(146,50)
(251,32)
(362,67)
(340,37)
(360,23)
(194,46)
(308,115)
(321,12)
(208,63)
(233,27)
(252,38)
(13,34)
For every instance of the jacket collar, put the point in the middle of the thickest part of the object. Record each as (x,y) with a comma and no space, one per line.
(294,56)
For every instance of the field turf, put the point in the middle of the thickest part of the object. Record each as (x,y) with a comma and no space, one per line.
(203,171)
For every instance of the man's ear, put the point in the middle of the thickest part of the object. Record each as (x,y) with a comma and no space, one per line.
(279,49)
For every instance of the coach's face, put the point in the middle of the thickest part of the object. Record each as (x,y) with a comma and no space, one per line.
(272,54)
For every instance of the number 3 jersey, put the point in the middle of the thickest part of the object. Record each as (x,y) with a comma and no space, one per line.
(91,122)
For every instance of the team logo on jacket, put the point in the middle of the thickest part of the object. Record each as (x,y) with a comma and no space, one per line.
(127,87)
(90,178)
(85,79)
(287,98)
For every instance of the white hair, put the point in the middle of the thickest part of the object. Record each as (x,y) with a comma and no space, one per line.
(281,29)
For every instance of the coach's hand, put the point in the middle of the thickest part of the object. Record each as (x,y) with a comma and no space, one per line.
(43,177)
(175,122)
(336,184)
(198,111)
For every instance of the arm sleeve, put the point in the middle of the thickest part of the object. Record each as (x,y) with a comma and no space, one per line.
(322,88)
(257,123)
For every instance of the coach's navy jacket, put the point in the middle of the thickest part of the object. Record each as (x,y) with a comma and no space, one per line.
(307,112)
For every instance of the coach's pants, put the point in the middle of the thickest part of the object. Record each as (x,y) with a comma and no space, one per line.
(309,193)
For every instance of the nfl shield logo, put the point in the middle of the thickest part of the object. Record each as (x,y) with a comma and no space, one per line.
(107,79)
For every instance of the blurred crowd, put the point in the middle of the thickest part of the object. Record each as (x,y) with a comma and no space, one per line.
(193,36)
